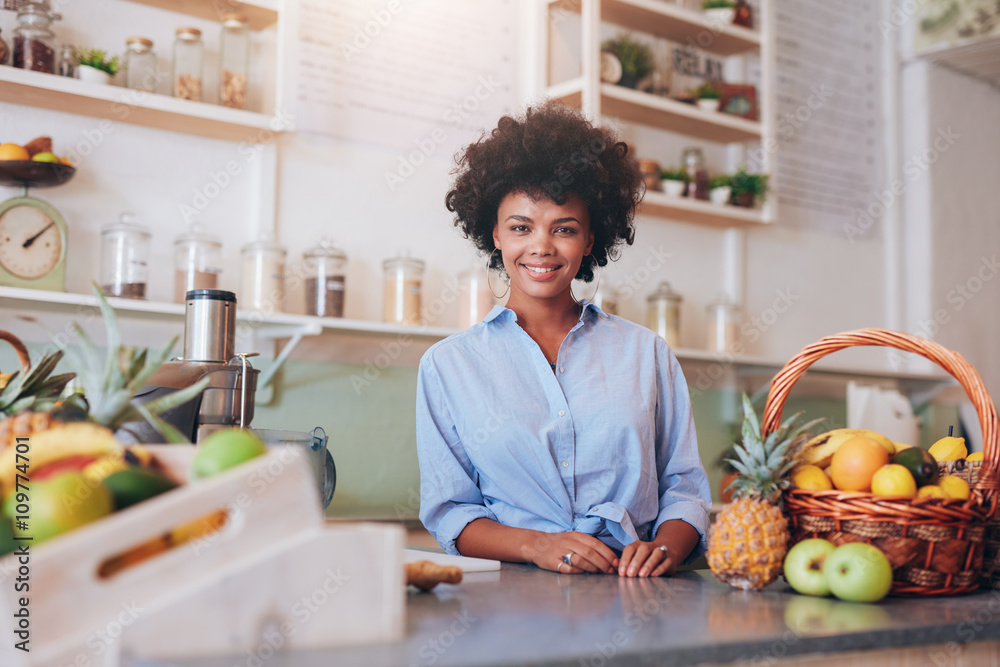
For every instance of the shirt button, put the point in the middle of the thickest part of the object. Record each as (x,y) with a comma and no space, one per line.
(565,464)
(562,413)
(562,369)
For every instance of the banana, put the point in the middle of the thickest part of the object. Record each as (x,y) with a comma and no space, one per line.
(819,451)
(73,439)
(104,467)
(949,448)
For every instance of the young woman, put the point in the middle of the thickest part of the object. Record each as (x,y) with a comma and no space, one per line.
(551,432)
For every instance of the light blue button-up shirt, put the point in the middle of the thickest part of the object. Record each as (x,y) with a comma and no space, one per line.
(605,445)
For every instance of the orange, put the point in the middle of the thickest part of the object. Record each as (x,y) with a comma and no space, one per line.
(855,463)
(13,152)
(894,480)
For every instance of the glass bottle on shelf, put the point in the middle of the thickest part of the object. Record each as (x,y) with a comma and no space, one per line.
(197,262)
(34,42)
(188,64)
(140,64)
(664,314)
(67,64)
(124,258)
(402,282)
(234,61)
(325,281)
(263,276)
(694,163)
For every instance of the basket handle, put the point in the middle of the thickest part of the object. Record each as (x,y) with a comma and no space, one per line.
(22,352)
(954,363)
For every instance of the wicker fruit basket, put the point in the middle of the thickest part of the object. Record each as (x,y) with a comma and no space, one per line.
(935,545)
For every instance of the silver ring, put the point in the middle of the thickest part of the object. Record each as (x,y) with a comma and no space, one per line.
(662,548)
(568,559)
(559,567)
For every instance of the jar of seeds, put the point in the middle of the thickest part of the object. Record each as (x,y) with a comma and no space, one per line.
(188,64)
(234,61)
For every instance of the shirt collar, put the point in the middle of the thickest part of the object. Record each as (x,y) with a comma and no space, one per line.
(508,314)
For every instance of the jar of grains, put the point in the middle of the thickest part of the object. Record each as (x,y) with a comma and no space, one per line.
(124,258)
(188,58)
(234,62)
(324,271)
(263,276)
(402,281)
(197,263)
(34,43)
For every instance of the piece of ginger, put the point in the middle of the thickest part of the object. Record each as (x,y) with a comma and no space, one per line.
(425,574)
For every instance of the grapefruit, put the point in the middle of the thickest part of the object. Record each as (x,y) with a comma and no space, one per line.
(855,463)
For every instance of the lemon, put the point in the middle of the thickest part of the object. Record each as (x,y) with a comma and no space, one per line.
(974,456)
(931,491)
(811,478)
(955,487)
(949,448)
(894,480)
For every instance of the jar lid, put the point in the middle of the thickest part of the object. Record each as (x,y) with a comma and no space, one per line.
(139,40)
(327,251)
(664,292)
(407,262)
(264,244)
(126,224)
(196,236)
(233,20)
(188,33)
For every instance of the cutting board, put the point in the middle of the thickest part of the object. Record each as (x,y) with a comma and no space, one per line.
(468,565)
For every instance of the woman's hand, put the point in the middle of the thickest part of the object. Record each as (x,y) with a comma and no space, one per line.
(646,559)
(586,553)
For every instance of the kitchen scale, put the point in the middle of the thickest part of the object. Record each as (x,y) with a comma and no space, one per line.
(32,231)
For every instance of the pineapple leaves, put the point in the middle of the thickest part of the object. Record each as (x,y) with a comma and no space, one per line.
(180,397)
(169,433)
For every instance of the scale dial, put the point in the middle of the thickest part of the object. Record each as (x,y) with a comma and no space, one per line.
(32,244)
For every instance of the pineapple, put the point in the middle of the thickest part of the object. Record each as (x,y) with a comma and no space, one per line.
(85,426)
(747,544)
(26,396)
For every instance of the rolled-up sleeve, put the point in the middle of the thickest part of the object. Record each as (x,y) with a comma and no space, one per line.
(683,484)
(449,497)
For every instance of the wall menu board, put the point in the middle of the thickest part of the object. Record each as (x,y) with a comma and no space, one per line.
(828,164)
(425,75)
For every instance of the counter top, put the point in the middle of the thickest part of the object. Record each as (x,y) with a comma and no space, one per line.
(524,615)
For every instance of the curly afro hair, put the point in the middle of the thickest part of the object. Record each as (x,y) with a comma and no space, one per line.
(551,151)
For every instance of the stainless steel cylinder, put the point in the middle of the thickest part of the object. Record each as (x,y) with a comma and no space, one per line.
(209,325)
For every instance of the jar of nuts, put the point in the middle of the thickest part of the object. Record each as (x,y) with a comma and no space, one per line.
(234,61)
(188,56)
(34,43)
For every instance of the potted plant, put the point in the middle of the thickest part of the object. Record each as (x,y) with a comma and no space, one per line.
(719,189)
(707,96)
(636,58)
(94,65)
(719,11)
(747,187)
(674,181)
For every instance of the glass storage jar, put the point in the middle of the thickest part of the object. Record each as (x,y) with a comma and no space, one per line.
(234,61)
(324,269)
(124,258)
(188,64)
(140,64)
(723,325)
(664,314)
(34,42)
(402,282)
(67,63)
(694,163)
(4,51)
(474,298)
(197,262)
(263,276)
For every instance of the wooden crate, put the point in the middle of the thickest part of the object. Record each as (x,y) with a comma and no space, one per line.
(275,577)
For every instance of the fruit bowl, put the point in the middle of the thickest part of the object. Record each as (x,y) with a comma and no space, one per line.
(34,174)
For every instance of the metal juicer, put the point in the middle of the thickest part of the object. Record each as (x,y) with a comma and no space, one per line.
(209,341)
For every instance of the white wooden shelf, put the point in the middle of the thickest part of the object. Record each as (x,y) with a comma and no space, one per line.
(58,93)
(700,212)
(977,57)
(69,303)
(260,14)
(289,325)
(662,113)
(675,23)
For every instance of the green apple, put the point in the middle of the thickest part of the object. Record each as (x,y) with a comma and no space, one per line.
(858,572)
(804,566)
(223,450)
(58,505)
(45,157)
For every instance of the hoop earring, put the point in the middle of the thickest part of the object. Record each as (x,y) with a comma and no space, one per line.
(596,287)
(489,265)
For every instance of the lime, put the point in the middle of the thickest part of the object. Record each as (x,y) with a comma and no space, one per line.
(45,157)
(920,463)
(134,485)
(224,449)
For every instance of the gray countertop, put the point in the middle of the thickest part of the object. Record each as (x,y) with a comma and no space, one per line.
(523,615)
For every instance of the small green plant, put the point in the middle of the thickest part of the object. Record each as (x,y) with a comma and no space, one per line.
(751,185)
(718,4)
(635,57)
(706,91)
(719,181)
(679,174)
(97,59)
